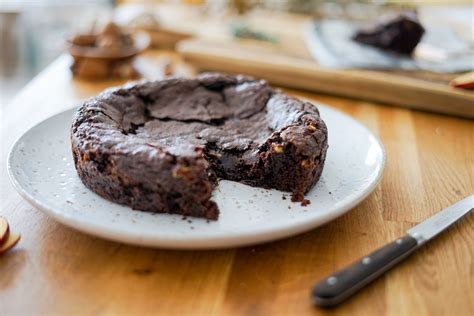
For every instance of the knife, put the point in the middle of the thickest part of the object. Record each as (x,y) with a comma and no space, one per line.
(337,287)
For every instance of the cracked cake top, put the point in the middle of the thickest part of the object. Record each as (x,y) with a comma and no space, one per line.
(234,113)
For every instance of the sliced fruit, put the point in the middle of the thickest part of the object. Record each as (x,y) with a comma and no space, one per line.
(12,240)
(465,81)
(4,230)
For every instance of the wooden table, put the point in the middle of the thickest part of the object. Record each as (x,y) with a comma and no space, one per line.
(57,270)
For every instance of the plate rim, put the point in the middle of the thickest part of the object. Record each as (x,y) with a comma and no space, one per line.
(231,240)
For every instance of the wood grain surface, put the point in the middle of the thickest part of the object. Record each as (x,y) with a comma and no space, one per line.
(56,270)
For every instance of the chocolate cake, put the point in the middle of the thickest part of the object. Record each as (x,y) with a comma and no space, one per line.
(399,32)
(162,146)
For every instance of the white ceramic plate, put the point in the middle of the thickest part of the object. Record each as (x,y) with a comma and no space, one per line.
(41,168)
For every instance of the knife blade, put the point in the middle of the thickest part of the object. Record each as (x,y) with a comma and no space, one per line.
(335,288)
(434,225)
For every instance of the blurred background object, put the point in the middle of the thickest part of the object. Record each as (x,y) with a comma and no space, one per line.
(107,53)
(161,37)
(33,33)
(253,32)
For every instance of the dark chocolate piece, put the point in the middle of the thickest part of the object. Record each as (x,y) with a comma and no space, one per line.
(399,32)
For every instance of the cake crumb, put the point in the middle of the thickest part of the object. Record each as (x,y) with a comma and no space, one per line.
(168,69)
(305,202)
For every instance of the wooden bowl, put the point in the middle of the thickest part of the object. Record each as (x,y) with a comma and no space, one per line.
(141,42)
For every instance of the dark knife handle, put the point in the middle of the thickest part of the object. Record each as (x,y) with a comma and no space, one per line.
(335,288)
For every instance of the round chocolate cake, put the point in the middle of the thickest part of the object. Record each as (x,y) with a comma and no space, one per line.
(162,146)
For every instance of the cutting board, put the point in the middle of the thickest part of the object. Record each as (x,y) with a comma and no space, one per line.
(292,68)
